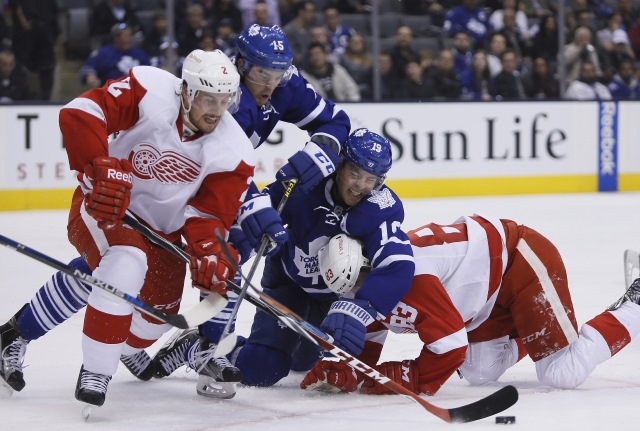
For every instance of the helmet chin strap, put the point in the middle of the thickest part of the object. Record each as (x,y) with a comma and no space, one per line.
(185,112)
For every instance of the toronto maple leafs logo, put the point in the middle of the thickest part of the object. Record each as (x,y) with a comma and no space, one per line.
(126,63)
(382,198)
(307,264)
(254,30)
(167,167)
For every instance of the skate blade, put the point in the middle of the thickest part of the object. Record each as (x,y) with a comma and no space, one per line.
(6,389)
(208,387)
(87,411)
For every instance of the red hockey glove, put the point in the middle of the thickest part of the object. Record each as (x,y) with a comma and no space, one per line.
(210,267)
(330,376)
(110,181)
(405,373)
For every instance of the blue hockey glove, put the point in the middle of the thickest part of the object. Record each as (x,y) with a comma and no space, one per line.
(347,322)
(256,218)
(309,165)
(239,241)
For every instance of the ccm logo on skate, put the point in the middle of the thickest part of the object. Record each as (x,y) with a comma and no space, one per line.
(118,175)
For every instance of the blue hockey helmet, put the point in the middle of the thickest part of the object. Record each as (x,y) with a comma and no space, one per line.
(368,151)
(265,47)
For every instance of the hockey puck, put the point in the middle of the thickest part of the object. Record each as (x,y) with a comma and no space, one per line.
(505,420)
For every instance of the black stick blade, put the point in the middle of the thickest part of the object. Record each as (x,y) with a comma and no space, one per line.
(489,406)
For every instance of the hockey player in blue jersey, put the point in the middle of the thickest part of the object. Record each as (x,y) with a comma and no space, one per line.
(355,201)
(272,91)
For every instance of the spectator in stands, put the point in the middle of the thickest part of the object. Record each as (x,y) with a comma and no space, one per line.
(261,15)
(226,37)
(443,77)
(604,37)
(580,51)
(331,81)
(476,82)
(586,86)
(402,51)
(189,36)
(114,60)
(319,36)
(462,53)
(248,9)
(208,42)
(436,9)
(545,42)
(107,13)
(389,79)
(621,50)
(509,83)
(338,34)
(628,12)
(497,46)
(228,10)
(156,42)
(537,8)
(496,19)
(516,40)
(357,61)
(35,30)
(624,84)
(540,83)
(415,85)
(471,19)
(13,79)
(298,31)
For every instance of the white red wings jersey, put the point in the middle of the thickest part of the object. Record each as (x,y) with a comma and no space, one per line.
(468,258)
(458,272)
(175,177)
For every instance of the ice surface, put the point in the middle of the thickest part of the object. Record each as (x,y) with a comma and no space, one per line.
(590,230)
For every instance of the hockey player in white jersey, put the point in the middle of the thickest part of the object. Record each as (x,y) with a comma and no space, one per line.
(182,165)
(272,91)
(485,294)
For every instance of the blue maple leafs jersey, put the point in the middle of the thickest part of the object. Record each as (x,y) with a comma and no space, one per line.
(313,218)
(295,102)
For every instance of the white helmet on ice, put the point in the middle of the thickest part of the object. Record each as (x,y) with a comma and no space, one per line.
(340,262)
(211,72)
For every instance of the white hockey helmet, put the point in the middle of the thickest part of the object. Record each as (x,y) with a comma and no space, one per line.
(340,262)
(211,72)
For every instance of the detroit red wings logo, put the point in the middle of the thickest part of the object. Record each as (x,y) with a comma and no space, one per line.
(167,167)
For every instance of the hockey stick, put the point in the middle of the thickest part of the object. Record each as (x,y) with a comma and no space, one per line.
(485,407)
(228,339)
(198,314)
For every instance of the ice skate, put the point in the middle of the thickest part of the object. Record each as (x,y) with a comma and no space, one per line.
(632,294)
(91,388)
(12,350)
(172,355)
(139,364)
(217,377)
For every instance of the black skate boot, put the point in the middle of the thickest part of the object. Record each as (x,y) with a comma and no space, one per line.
(172,355)
(92,387)
(12,350)
(217,377)
(139,364)
(632,294)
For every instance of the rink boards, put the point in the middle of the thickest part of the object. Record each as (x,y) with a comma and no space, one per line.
(440,149)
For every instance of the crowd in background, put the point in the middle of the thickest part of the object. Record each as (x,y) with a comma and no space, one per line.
(440,49)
